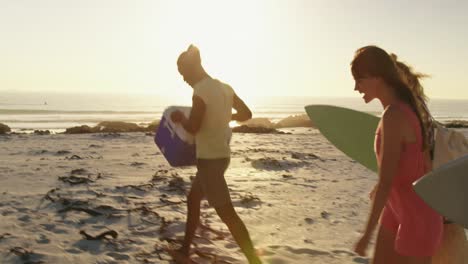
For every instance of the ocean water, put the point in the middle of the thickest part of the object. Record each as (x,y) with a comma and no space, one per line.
(56,112)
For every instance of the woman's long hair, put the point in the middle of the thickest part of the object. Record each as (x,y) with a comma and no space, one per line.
(372,61)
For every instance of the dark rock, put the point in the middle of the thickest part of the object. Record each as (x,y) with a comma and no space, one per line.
(118,126)
(79,130)
(152,127)
(113,127)
(456,124)
(258,122)
(4,129)
(41,132)
(259,130)
(63,152)
(295,121)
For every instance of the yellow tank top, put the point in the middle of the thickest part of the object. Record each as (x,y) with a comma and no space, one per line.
(212,140)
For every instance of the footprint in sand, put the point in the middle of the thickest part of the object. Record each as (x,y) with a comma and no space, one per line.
(306,251)
(27,255)
(38,152)
(325,215)
(343,252)
(52,228)
(74,251)
(118,256)
(8,212)
(23,210)
(360,260)
(42,239)
(231,245)
(62,152)
(137,164)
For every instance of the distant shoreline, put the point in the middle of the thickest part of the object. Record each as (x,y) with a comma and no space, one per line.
(25,113)
(255,125)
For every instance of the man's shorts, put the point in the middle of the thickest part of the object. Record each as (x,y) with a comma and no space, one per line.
(210,181)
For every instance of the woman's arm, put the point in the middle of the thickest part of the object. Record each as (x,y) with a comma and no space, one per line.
(392,138)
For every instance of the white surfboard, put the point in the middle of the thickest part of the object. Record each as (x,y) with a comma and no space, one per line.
(445,189)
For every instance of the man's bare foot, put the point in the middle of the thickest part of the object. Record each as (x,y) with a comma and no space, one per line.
(179,257)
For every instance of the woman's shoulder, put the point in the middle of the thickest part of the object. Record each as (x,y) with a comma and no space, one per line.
(393,113)
(394,119)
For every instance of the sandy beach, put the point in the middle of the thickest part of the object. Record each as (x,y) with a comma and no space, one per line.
(113,198)
(84,86)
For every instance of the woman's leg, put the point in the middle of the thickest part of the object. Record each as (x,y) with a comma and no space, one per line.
(385,248)
(415,260)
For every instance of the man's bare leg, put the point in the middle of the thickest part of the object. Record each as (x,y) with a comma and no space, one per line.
(193,217)
(238,231)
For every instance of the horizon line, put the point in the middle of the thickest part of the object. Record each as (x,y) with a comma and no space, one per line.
(171,96)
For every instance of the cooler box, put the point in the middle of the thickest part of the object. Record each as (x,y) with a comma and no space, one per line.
(176,144)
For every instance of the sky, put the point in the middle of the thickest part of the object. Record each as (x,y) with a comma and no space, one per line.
(262,47)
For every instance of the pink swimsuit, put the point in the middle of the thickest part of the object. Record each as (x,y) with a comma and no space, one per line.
(418,228)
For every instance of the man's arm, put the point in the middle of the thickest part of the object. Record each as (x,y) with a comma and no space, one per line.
(243,112)
(193,123)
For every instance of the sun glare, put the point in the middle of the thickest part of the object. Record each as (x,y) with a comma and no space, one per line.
(228,38)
